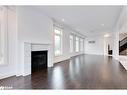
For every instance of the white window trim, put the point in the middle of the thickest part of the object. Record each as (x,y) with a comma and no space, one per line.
(61,38)
(81,46)
(71,51)
(78,44)
(3,34)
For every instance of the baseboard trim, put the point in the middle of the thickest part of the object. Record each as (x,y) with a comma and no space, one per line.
(6,76)
(67,58)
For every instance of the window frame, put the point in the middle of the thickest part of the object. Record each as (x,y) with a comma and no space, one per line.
(71,37)
(61,40)
(77,48)
(3,36)
(81,44)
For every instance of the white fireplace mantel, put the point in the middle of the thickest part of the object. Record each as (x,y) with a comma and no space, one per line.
(28,47)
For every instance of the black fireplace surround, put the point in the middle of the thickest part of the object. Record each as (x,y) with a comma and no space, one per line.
(38,60)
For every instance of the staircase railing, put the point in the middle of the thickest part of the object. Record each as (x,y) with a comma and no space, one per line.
(122,42)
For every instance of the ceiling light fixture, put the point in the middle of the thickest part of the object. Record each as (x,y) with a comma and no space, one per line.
(63,20)
(106,35)
(102,24)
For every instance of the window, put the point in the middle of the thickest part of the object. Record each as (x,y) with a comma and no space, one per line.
(81,44)
(58,41)
(71,43)
(3,35)
(1,54)
(77,44)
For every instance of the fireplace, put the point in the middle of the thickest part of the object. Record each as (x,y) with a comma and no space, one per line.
(34,63)
(38,60)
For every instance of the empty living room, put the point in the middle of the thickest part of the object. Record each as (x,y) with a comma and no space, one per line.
(58,47)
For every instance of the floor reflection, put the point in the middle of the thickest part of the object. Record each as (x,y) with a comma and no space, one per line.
(77,65)
(57,78)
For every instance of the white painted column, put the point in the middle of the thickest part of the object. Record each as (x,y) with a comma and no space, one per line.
(116,44)
(27,59)
(105,46)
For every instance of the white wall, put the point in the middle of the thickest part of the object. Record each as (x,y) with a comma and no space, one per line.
(100,47)
(94,48)
(10,68)
(29,25)
(66,45)
(33,27)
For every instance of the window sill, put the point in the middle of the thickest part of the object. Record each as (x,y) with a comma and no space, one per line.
(58,55)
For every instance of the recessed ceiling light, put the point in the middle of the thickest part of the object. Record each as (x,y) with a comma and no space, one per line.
(106,35)
(102,24)
(63,20)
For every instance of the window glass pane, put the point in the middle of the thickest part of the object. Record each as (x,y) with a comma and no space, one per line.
(1,40)
(77,38)
(3,36)
(71,43)
(0,44)
(81,44)
(77,44)
(57,31)
(58,41)
(71,36)
(57,45)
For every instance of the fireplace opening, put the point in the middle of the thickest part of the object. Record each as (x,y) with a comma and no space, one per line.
(38,60)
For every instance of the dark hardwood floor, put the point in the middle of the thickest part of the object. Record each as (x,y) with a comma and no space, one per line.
(81,72)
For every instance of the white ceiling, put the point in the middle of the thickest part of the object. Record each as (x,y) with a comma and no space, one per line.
(85,19)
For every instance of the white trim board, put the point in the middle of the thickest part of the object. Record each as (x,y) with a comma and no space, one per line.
(123,61)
